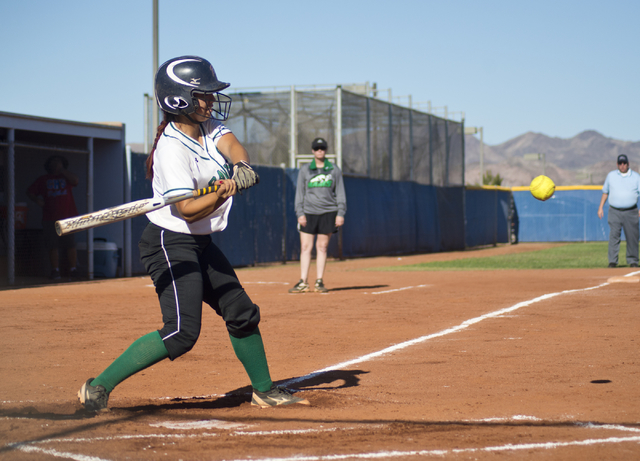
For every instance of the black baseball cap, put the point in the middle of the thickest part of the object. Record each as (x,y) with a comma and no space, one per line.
(622,159)
(319,143)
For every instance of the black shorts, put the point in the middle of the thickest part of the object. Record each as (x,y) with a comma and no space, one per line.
(320,224)
(52,240)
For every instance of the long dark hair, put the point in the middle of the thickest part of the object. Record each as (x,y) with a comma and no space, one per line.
(167,118)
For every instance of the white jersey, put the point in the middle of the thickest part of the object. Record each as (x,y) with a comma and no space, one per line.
(181,164)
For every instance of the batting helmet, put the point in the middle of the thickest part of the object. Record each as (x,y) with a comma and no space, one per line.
(180,78)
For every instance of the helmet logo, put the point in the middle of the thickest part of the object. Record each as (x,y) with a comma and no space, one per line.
(174,77)
(195,81)
(176,102)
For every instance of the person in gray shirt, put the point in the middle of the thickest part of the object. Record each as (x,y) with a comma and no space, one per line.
(320,207)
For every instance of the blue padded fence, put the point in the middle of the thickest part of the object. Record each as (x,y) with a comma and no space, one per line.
(487,214)
(383,218)
(568,216)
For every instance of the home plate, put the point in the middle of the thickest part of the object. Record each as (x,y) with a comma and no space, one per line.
(623,279)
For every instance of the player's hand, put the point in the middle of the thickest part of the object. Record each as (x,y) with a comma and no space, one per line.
(302,220)
(600,213)
(339,221)
(244,175)
(226,188)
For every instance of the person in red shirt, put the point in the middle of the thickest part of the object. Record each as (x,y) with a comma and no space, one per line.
(53,193)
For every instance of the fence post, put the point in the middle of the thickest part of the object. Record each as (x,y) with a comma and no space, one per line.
(11,206)
(390,135)
(293,146)
(446,147)
(368,137)
(90,206)
(284,214)
(430,153)
(339,126)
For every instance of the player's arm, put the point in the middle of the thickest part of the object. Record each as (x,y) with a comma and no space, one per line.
(195,209)
(244,176)
(230,147)
(603,199)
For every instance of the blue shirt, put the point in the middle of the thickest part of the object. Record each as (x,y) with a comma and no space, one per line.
(623,191)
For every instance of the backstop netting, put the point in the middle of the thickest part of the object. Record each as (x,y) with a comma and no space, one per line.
(368,137)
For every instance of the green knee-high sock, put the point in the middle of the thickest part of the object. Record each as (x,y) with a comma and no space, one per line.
(250,351)
(144,352)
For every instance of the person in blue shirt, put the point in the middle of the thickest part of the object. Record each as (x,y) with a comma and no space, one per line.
(622,188)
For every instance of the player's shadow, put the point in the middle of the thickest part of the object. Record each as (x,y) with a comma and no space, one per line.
(333,379)
(363,287)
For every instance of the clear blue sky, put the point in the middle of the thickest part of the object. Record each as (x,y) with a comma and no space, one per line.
(553,67)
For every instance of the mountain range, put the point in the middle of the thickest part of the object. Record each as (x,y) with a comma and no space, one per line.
(584,159)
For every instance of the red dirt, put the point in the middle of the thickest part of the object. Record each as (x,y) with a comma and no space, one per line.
(530,376)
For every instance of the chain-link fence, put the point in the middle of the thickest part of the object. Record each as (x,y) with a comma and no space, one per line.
(367,137)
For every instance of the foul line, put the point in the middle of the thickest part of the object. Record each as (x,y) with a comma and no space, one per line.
(394,290)
(464,325)
(28,448)
(402,454)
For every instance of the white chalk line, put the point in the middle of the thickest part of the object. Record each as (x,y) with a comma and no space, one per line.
(462,326)
(394,290)
(30,447)
(546,445)
(448,331)
(403,454)
(381,455)
(266,283)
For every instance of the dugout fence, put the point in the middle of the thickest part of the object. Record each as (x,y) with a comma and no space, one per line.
(94,152)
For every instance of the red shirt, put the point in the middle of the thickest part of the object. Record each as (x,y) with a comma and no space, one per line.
(58,197)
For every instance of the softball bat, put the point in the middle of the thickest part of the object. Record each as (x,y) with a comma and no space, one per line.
(125,211)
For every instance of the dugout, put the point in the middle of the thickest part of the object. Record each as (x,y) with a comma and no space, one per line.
(96,154)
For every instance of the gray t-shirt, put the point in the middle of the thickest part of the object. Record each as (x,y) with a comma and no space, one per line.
(320,190)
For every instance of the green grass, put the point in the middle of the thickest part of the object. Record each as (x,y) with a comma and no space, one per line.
(569,256)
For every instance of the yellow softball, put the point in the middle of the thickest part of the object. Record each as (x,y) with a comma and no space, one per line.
(542,187)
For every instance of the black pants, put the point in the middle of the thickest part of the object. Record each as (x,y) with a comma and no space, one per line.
(187,270)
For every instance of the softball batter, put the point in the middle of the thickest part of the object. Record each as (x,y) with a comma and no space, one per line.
(190,152)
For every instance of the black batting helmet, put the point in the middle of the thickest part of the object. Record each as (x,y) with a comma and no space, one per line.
(179,78)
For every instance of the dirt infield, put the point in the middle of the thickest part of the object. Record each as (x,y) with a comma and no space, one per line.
(397,365)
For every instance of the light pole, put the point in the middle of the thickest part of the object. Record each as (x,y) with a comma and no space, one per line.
(474,130)
(155,115)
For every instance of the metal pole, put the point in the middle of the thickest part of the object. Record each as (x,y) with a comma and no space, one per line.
(293,144)
(368,137)
(339,126)
(127,223)
(390,143)
(430,151)
(411,174)
(11,206)
(155,58)
(90,207)
(447,151)
(464,154)
(481,158)
(146,123)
